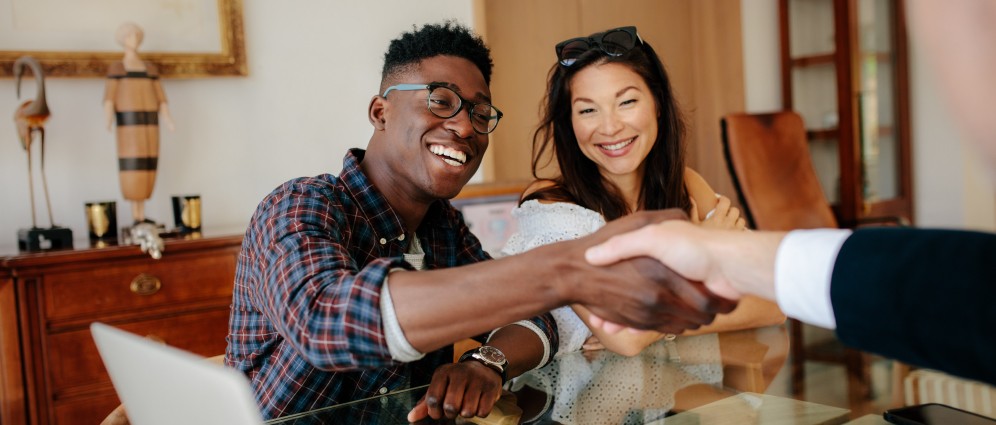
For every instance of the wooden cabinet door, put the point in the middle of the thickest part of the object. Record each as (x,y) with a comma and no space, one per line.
(13,409)
(844,69)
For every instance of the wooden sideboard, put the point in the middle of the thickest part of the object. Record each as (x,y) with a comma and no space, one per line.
(50,371)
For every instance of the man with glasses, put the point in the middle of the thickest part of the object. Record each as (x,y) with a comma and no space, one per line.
(356,285)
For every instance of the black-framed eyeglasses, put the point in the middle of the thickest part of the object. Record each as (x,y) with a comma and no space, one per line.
(443,102)
(613,42)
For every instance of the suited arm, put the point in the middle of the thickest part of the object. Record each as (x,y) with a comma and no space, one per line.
(921,296)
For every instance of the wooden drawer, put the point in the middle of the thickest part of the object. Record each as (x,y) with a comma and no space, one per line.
(138,285)
(73,360)
(84,410)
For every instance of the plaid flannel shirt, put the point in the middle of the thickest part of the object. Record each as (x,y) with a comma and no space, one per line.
(306,325)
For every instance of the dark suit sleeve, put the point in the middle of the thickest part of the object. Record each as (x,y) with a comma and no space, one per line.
(925,297)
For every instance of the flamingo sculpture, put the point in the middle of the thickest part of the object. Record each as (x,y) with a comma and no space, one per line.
(30,117)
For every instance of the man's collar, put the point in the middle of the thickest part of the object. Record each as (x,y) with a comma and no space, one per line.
(369,200)
(374,205)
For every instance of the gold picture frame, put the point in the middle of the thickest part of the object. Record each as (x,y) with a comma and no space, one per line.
(229,61)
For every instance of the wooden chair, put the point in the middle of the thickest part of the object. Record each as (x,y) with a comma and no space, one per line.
(769,162)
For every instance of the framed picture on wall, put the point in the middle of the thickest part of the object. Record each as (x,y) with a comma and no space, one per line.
(71,38)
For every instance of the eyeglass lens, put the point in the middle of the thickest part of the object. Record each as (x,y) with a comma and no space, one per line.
(613,43)
(446,103)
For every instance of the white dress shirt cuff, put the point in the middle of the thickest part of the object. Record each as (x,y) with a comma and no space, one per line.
(803,268)
(401,350)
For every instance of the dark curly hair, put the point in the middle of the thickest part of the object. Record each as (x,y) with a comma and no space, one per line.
(449,38)
(580,181)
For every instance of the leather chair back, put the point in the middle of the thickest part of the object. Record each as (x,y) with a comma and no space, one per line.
(769,162)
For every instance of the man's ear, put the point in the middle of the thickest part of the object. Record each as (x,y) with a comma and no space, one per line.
(375,112)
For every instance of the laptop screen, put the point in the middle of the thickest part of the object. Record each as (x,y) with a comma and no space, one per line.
(162,385)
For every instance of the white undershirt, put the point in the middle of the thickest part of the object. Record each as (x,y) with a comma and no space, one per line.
(803,268)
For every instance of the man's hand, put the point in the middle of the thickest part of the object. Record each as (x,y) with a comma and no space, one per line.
(673,305)
(729,263)
(641,292)
(467,389)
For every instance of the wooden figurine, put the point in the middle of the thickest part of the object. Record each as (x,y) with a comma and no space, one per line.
(30,118)
(134,99)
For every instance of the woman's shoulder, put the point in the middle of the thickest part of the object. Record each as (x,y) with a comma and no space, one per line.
(700,191)
(536,207)
(545,202)
(695,183)
(541,223)
(537,188)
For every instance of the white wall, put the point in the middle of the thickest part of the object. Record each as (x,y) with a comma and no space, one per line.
(762,64)
(313,66)
(950,188)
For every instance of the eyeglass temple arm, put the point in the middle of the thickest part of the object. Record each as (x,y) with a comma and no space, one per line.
(402,87)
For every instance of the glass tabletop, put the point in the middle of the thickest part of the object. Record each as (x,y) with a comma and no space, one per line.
(703,379)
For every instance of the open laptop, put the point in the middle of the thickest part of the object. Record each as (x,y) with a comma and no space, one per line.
(164,385)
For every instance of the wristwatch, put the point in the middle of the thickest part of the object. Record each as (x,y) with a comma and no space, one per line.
(491,357)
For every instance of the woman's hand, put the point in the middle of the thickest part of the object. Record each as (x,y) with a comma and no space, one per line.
(592,344)
(723,216)
(466,389)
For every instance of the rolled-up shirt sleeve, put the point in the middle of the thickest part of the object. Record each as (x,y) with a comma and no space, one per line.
(313,291)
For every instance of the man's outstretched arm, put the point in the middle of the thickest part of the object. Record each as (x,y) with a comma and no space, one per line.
(438,307)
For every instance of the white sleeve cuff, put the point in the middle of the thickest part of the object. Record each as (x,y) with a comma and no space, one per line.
(803,268)
(539,332)
(401,350)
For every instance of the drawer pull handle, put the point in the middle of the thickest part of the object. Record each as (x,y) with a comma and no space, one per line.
(145,284)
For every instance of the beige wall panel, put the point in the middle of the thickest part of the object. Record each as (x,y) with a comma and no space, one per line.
(719,86)
(521,34)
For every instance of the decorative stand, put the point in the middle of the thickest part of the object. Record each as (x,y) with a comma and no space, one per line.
(38,239)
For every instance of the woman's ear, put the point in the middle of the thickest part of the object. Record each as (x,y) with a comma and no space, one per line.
(375,112)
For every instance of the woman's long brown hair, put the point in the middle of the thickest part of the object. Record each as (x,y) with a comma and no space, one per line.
(580,181)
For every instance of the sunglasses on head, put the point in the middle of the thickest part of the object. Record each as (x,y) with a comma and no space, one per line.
(613,42)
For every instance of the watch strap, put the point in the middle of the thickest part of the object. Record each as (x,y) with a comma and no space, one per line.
(474,355)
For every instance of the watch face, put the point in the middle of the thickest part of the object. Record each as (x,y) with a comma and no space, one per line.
(492,354)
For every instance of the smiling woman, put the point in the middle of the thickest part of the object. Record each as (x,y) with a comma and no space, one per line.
(185,38)
(611,121)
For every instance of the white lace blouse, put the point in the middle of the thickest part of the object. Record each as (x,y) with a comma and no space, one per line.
(545,223)
(608,388)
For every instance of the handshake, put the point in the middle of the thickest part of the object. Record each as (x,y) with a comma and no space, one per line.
(654,270)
